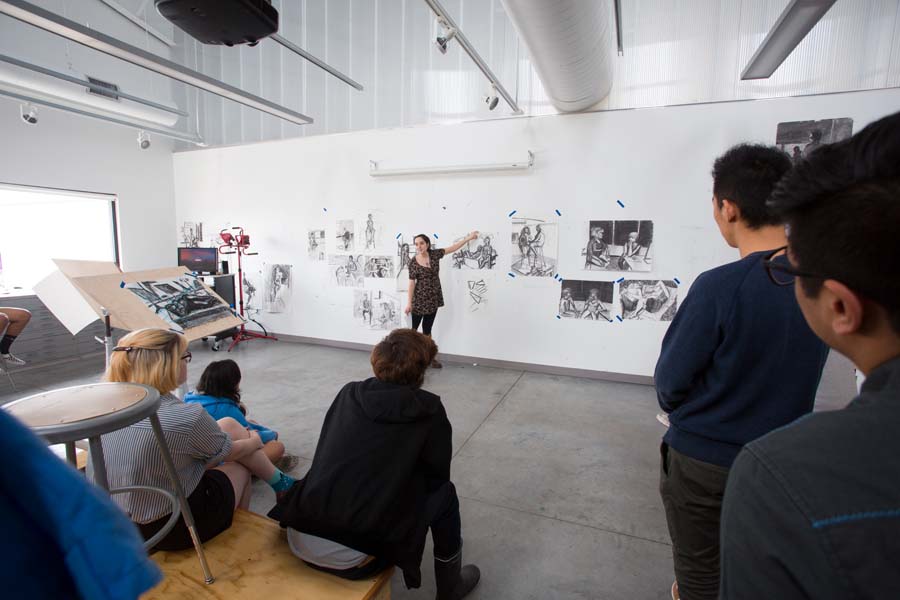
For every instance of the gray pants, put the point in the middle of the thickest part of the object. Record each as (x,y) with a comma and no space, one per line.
(692,493)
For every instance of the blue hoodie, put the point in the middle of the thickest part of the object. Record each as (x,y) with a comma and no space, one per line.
(220,408)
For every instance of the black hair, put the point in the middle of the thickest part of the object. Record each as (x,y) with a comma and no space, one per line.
(746,175)
(222,378)
(424,237)
(842,209)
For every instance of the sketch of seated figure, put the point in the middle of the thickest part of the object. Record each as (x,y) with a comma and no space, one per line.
(630,251)
(567,306)
(593,309)
(596,253)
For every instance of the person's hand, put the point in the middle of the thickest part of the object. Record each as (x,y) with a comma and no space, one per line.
(408,309)
(473,235)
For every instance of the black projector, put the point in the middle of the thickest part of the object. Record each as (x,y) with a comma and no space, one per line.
(227,22)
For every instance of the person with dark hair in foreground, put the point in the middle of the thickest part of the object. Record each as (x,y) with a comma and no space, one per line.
(737,362)
(813,510)
(380,478)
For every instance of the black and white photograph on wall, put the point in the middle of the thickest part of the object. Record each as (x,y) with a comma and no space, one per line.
(379,267)
(588,300)
(618,246)
(477,291)
(191,234)
(183,301)
(648,299)
(277,288)
(480,253)
(376,309)
(405,251)
(535,244)
(344,235)
(316,244)
(346,269)
(372,231)
(799,139)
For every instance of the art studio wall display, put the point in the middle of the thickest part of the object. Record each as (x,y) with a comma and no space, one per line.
(315,245)
(376,309)
(477,294)
(587,300)
(346,269)
(345,239)
(480,253)
(191,234)
(277,288)
(648,299)
(181,301)
(535,244)
(799,139)
(618,246)
(372,234)
(405,250)
(379,267)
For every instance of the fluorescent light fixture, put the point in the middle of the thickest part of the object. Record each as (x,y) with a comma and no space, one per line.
(795,22)
(322,65)
(469,49)
(376,171)
(169,133)
(70,30)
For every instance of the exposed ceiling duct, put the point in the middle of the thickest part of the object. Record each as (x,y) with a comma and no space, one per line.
(570,44)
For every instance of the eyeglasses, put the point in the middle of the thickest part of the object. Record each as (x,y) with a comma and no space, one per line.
(782,272)
(186,356)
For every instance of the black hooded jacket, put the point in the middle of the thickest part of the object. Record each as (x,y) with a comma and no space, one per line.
(382,448)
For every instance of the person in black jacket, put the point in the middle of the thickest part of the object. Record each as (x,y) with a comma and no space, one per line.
(380,478)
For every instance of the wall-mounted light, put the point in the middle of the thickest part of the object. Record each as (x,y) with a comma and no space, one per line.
(442,40)
(143,140)
(29,113)
(492,99)
(376,171)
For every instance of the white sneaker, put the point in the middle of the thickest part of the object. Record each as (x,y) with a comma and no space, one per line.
(13,359)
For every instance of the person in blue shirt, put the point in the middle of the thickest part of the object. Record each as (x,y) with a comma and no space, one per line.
(219,392)
(737,362)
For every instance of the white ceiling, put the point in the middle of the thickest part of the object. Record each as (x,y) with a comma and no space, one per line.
(690,51)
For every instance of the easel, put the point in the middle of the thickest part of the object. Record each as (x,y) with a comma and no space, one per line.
(240,244)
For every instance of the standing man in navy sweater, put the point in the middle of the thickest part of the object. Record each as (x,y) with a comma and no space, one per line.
(737,362)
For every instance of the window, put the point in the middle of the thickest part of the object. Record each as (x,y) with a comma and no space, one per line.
(39,224)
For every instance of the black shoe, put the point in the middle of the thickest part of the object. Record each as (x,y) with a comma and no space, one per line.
(453,580)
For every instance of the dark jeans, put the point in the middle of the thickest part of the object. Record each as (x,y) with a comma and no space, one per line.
(692,493)
(442,515)
(426,320)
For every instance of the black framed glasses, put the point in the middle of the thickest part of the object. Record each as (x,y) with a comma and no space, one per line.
(781,272)
(187,356)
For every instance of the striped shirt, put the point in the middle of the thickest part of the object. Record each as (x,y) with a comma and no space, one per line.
(133,457)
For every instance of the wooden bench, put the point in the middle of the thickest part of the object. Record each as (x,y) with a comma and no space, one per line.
(253,560)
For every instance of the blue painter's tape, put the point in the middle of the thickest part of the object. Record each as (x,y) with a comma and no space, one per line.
(619,318)
(444,207)
(619,202)
(559,317)
(325,209)
(620,280)
(677,280)
(511,274)
(512,213)
(436,236)
(557,212)
(398,235)
(121,285)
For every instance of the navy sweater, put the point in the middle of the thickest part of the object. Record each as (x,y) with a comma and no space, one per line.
(737,362)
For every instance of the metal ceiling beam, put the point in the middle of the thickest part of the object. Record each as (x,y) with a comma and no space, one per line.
(92,86)
(70,30)
(322,65)
(469,49)
(170,133)
(797,20)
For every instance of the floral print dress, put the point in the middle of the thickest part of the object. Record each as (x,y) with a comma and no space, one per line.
(427,295)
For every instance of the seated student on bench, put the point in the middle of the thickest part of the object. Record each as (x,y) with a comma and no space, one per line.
(381,477)
(214,460)
(219,392)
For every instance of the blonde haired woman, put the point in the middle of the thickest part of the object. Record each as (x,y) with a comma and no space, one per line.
(213,459)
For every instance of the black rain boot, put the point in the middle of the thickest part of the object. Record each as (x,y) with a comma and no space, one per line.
(454,581)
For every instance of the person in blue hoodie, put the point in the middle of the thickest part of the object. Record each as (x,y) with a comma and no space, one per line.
(219,392)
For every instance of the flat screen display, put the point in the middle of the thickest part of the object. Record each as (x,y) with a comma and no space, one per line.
(199,260)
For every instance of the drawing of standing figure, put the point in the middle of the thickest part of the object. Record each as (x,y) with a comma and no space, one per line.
(524,242)
(367,309)
(370,233)
(538,264)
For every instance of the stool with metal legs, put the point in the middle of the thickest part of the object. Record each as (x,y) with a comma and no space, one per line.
(87,411)
(4,367)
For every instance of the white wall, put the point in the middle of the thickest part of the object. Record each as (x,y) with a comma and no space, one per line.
(657,161)
(76,153)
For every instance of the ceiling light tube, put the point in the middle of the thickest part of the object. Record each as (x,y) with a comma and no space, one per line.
(795,22)
(48,21)
(376,171)
(169,133)
(88,84)
(463,41)
(322,65)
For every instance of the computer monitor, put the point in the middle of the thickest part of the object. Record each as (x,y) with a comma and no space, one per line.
(199,260)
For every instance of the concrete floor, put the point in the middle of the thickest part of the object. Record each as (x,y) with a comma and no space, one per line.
(557,476)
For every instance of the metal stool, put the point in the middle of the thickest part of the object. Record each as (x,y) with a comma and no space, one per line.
(87,411)
(4,367)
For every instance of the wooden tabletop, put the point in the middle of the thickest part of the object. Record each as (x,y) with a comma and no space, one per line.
(70,405)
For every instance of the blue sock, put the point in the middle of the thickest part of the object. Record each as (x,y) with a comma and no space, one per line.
(279,481)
